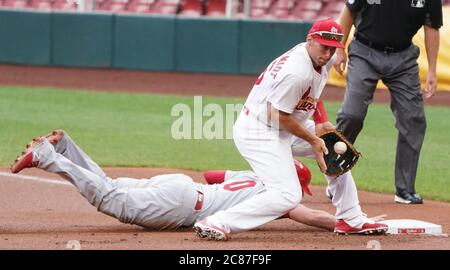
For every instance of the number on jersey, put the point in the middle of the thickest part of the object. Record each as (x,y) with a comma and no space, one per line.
(237,185)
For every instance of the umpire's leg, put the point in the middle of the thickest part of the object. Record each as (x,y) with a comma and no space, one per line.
(361,83)
(408,109)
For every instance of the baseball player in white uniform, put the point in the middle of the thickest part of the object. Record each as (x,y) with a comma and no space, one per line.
(274,126)
(167,201)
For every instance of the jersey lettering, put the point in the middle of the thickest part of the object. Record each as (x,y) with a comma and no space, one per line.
(279,65)
(261,77)
(306,103)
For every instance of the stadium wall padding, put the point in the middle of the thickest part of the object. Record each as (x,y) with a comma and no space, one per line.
(144,42)
(209,45)
(262,41)
(82,39)
(131,41)
(25,37)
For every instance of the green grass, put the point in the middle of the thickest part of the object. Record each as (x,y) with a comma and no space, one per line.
(135,130)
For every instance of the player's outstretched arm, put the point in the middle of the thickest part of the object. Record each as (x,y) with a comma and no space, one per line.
(312,217)
(319,218)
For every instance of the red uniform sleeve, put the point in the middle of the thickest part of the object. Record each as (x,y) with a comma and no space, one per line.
(214,176)
(320,115)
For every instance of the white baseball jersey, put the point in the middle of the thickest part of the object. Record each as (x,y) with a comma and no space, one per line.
(291,84)
(237,187)
(170,199)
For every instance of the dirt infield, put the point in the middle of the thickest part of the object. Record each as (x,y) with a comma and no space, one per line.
(37,214)
(158,82)
(40,215)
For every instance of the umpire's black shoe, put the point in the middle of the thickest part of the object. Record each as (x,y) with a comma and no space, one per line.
(408,198)
(417,197)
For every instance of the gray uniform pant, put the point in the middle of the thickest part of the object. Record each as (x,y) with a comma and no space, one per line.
(400,73)
(162,202)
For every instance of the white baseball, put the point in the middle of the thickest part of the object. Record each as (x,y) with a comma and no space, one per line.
(340,148)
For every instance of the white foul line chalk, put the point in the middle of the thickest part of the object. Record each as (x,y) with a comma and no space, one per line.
(34,178)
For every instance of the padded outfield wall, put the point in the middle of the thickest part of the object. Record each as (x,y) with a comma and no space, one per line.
(158,43)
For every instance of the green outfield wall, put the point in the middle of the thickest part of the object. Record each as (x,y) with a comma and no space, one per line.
(144,42)
(261,41)
(81,40)
(25,37)
(207,45)
(166,43)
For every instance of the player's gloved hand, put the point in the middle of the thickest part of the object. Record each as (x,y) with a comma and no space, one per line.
(338,164)
(325,127)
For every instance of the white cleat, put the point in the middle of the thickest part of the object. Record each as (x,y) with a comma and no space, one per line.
(205,229)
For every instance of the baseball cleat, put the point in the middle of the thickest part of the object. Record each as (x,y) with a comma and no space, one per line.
(53,137)
(342,228)
(205,229)
(26,158)
(408,198)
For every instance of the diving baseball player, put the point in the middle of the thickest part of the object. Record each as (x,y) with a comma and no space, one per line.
(162,202)
(273,126)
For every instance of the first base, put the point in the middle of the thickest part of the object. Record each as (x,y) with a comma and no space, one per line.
(412,226)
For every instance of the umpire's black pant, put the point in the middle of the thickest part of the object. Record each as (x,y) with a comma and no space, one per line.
(400,73)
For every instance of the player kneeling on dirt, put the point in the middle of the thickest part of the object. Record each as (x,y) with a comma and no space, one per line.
(167,201)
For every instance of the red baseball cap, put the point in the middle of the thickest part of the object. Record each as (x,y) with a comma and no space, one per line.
(327,32)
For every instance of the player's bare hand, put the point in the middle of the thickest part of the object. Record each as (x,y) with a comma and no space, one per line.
(430,85)
(319,149)
(341,61)
(324,128)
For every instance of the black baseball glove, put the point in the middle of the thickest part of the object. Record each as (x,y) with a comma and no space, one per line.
(338,164)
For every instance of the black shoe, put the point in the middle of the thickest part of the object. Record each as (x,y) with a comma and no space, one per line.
(417,197)
(408,198)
